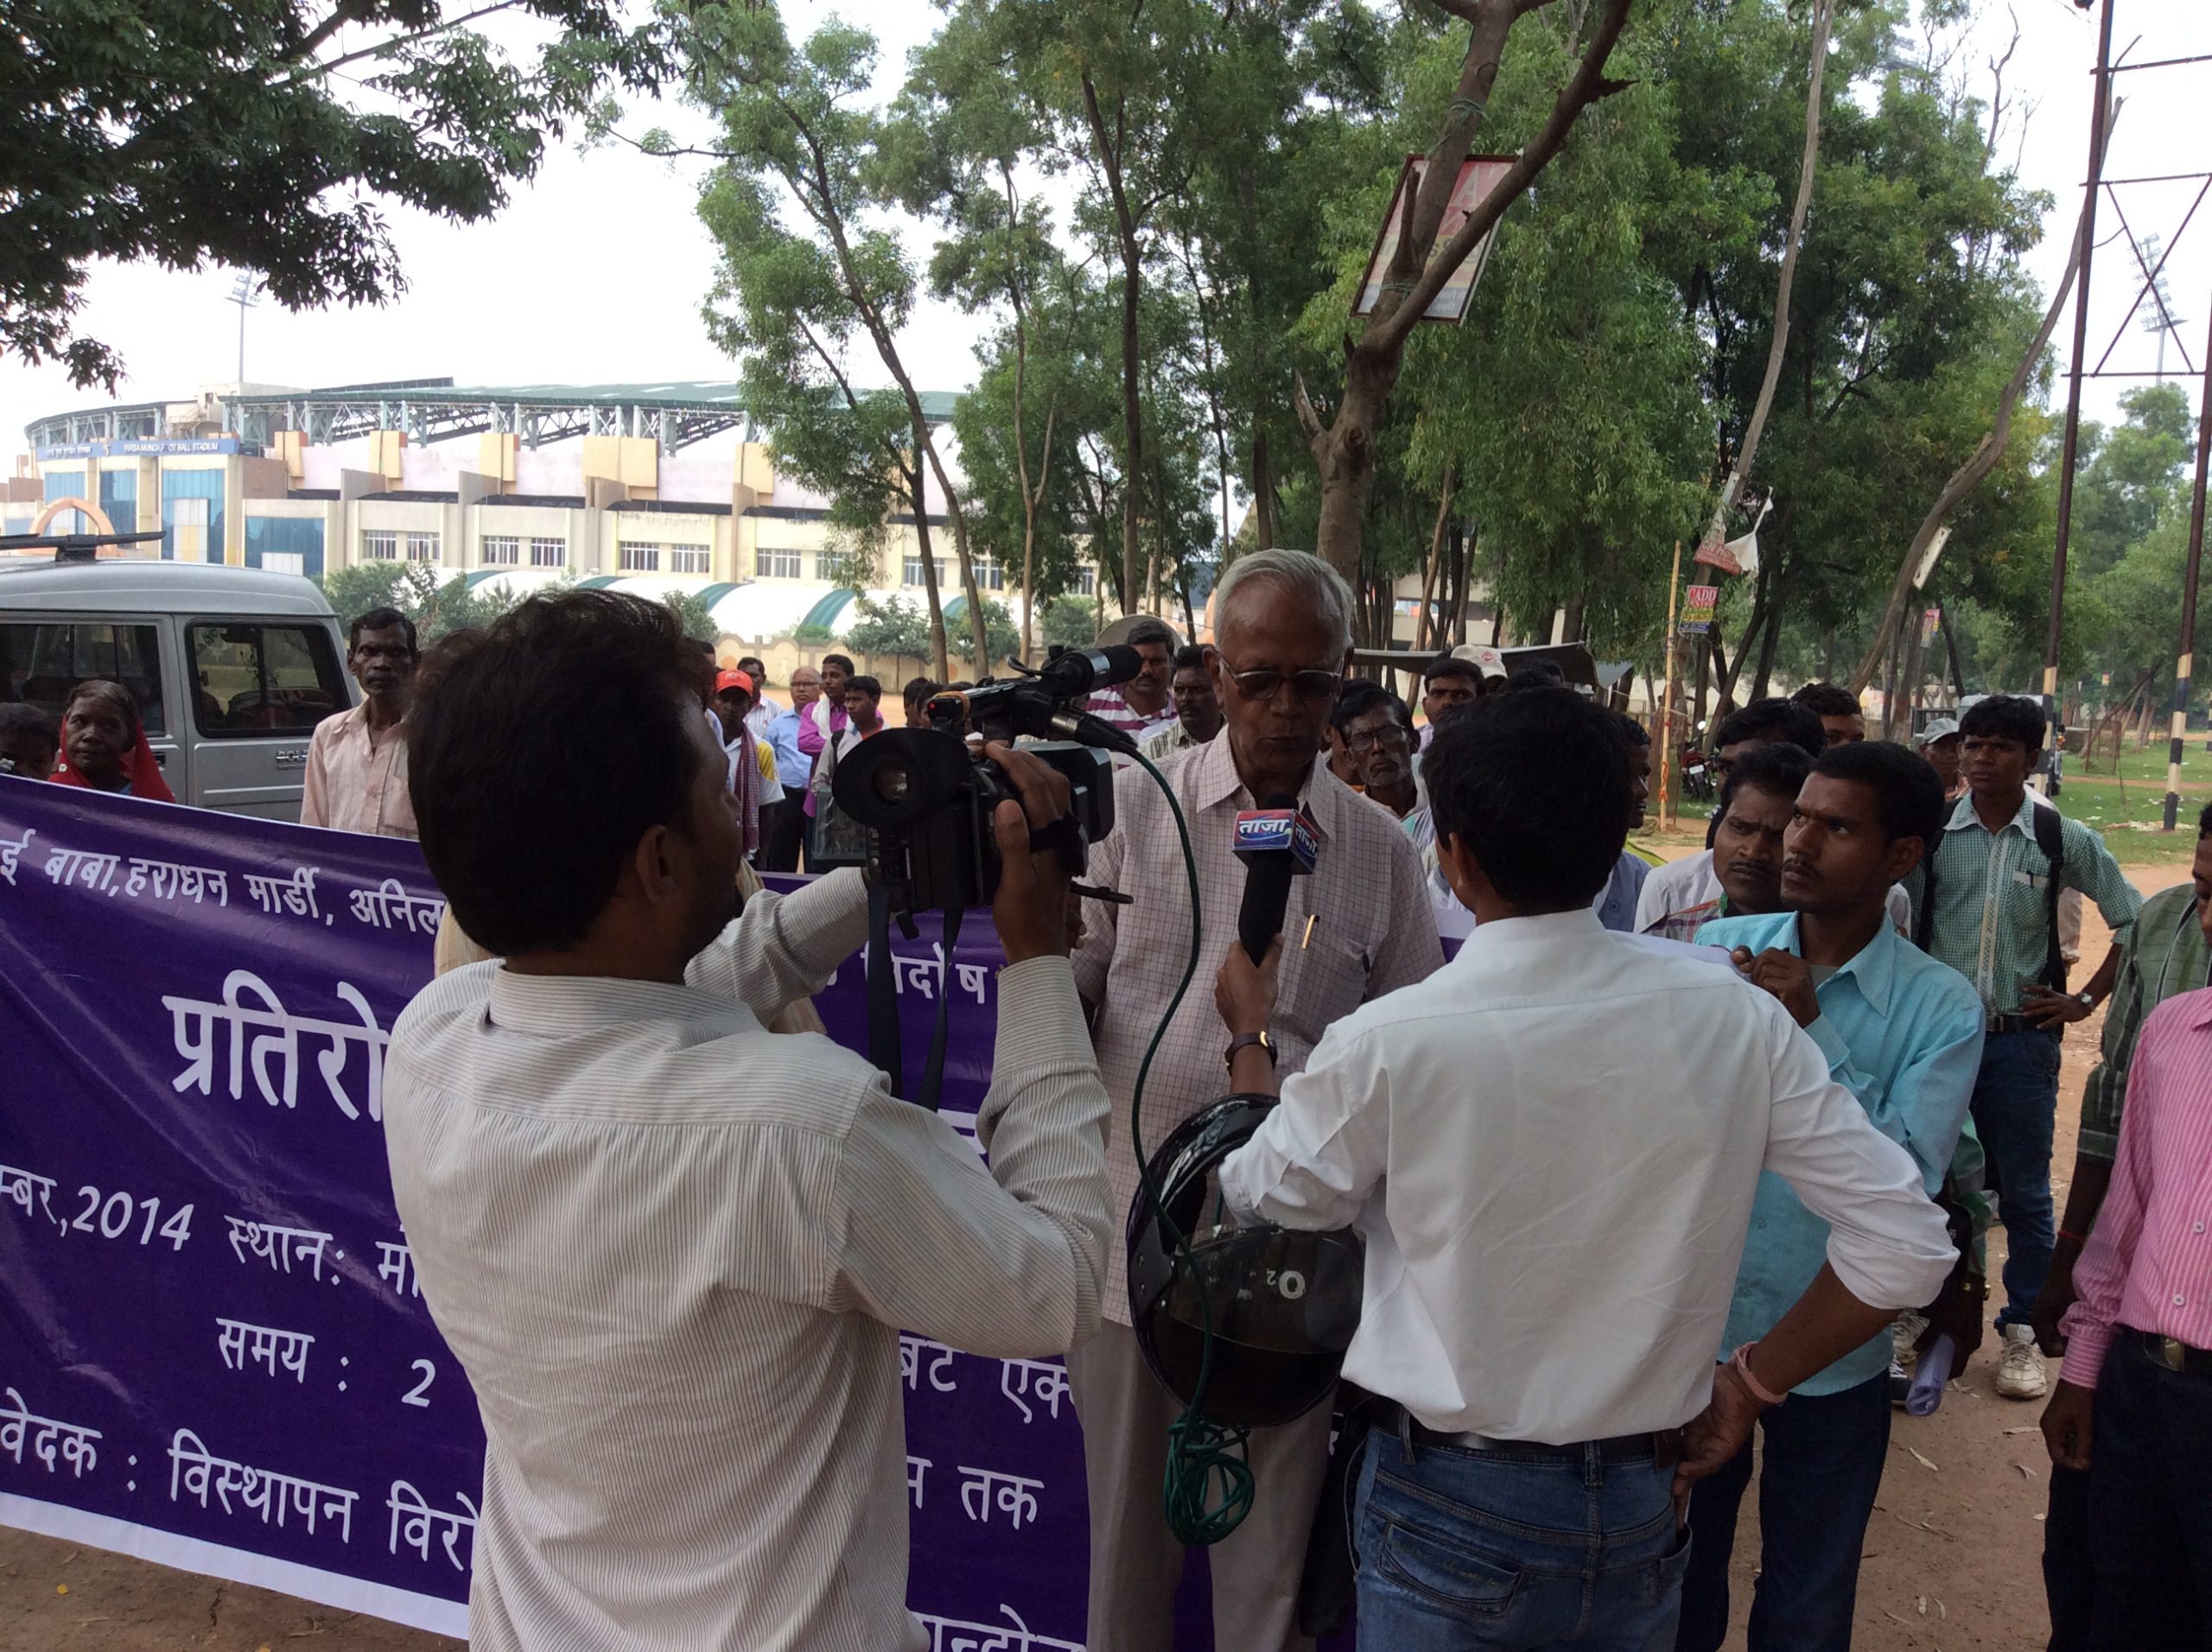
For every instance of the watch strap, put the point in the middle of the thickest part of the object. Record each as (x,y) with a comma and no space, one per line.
(1245,1041)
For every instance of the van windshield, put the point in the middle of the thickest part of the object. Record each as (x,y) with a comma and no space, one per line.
(40,663)
(256,679)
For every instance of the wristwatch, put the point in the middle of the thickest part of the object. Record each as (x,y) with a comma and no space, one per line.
(2084,1000)
(1245,1041)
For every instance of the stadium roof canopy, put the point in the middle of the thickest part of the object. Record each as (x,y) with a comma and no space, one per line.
(678,413)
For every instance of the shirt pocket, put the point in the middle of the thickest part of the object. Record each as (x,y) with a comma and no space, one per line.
(1324,978)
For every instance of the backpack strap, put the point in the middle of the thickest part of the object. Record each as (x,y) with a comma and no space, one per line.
(2050,838)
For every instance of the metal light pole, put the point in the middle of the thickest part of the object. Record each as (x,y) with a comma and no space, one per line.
(2189,602)
(2073,385)
(245,293)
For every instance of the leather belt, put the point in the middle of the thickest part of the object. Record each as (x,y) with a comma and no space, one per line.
(2172,1353)
(1663,1447)
(2011,1024)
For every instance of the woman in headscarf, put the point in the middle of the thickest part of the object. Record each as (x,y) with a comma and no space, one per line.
(103,746)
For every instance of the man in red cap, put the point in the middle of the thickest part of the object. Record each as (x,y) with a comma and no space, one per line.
(753,783)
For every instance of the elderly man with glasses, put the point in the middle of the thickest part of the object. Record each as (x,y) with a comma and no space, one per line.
(1359,927)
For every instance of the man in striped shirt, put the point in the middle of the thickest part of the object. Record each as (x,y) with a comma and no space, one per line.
(2134,1404)
(672,1250)
(1139,707)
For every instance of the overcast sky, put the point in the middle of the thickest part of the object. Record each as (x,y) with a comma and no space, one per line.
(595,272)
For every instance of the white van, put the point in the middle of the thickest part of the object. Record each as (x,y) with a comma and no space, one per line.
(232,667)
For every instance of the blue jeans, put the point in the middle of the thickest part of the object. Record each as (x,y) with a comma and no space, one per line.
(1821,1469)
(2015,1101)
(1460,1550)
(2150,1520)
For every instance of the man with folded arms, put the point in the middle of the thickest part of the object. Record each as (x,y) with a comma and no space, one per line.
(672,1250)
(1903,1033)
(1553,1146)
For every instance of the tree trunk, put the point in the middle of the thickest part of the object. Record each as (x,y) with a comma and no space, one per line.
(1424,627)
(1991,447)
(918,493)
(1747,449)
(1110,163)
(1772,635)
(1344,449)
(1264,489)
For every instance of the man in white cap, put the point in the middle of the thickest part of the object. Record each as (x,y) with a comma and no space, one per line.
(1939,744)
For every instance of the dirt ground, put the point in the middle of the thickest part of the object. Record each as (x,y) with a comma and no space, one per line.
(1952,1559)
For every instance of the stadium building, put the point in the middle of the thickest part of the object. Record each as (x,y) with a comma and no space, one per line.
(646,487)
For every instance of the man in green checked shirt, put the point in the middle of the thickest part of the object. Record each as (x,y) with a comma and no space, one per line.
(2168,955)
(1991,916)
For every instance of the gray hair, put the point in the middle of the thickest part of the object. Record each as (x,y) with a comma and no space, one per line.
(1305,576)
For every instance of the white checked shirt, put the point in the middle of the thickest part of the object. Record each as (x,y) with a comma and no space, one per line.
(673,1251)
(1373,933)
(1552,1146)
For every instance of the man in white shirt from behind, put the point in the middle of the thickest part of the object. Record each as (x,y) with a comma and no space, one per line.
(1551,1146)
(672,1250)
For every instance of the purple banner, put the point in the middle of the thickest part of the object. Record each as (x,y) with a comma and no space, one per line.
(214,1351)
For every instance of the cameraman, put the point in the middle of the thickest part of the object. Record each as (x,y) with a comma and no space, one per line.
(673,1251)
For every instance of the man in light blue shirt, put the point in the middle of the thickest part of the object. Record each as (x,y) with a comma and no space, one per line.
(1901,1032)
(780,841)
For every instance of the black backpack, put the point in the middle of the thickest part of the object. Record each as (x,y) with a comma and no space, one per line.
(2050,838)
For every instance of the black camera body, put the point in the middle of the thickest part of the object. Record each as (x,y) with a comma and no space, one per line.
(924,798)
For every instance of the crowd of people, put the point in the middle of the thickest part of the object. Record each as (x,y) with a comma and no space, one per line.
(1666,1154)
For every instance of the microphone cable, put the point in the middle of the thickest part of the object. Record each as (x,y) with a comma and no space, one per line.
(1207,1489)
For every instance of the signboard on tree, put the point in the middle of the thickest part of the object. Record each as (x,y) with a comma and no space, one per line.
(1698,603)
(1477,174)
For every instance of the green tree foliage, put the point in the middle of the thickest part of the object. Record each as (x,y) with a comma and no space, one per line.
(792,302)
(693,614)
(190,134)
(893,626)
(1071,622)
(438,605)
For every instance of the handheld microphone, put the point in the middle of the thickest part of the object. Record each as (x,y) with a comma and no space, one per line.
(1277,844)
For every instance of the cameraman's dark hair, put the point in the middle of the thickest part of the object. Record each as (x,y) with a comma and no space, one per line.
(381,619)
(98,687)
(1827,700)
(1191,657)
(537,756)
(2204,821)
(1536,786)
(919,692)
(1777,768)
(1150,631)
(844,660)
(1632,731)
(17,718)
(1361,696)
(866,685)
(2005,716)
(1773,720)
(1908,796)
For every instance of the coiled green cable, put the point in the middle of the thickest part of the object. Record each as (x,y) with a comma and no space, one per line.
(1201,1454)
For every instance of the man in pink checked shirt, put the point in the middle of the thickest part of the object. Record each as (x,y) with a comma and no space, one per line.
(2134,1404)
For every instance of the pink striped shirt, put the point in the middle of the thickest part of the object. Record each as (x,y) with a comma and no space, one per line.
(2148,1263)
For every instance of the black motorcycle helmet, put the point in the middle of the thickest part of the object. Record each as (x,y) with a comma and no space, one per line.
(1283,1303)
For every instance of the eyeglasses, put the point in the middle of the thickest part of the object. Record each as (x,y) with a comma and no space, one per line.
(1314,685)
(1376,740)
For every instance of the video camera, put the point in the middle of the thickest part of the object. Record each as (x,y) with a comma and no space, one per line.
(924,796)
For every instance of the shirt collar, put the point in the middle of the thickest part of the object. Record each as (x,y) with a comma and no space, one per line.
(1963,818)
(561,1005)
(1511,934)
(1874,966)
(2201,1009)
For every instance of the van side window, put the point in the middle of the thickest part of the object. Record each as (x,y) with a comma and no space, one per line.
(254,680)
(41,663)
